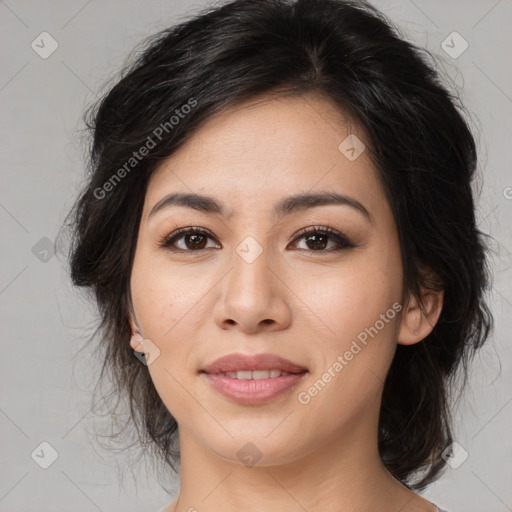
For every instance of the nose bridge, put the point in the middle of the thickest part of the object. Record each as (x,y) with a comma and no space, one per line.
(251,297)
(250,273)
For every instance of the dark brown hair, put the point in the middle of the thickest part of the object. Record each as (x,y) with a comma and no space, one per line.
(416,136)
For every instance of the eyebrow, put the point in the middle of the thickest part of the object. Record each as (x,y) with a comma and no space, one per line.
(286,206)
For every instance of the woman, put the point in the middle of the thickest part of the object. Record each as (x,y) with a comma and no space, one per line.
(279,232)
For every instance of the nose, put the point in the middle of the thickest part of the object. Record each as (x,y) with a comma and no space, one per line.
(253,296)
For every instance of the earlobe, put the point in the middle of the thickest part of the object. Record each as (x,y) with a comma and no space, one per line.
(420,317)
(136,339)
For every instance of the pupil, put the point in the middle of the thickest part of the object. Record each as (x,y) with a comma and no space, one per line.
(317,243)
(194,238)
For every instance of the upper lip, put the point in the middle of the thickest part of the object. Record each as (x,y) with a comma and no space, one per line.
(241,362)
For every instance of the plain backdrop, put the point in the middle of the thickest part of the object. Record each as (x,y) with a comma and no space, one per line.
(46,382)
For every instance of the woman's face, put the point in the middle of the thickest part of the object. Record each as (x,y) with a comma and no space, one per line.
(255,285)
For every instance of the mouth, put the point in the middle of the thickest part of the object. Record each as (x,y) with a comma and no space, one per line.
(254,379)
(256,374)
(255,366)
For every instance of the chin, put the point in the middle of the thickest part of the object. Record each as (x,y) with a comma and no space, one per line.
(257,449)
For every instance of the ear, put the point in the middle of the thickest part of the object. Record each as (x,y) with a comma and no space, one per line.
(420,316)
(136,337)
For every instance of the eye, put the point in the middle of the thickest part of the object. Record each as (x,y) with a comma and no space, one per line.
(193,239)
(317,238)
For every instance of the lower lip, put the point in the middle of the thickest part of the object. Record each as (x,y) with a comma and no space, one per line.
(253,392)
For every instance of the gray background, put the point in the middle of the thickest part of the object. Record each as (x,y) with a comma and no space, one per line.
(46,382)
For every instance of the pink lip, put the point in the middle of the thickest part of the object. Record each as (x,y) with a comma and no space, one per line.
(235,362)
(253,392)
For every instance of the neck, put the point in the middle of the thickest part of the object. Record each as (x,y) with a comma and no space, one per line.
(342,474)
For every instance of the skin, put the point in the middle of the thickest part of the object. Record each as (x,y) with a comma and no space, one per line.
(294,300)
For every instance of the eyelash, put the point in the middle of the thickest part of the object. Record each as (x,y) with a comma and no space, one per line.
(342,241)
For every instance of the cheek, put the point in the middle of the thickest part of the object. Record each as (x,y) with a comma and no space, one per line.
(359,307)
(350,298)
(357,303)
(162,295)
(161,300)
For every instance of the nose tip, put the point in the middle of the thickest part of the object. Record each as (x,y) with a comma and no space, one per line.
(253,298)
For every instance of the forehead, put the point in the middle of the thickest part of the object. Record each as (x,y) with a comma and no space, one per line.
(268,148)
